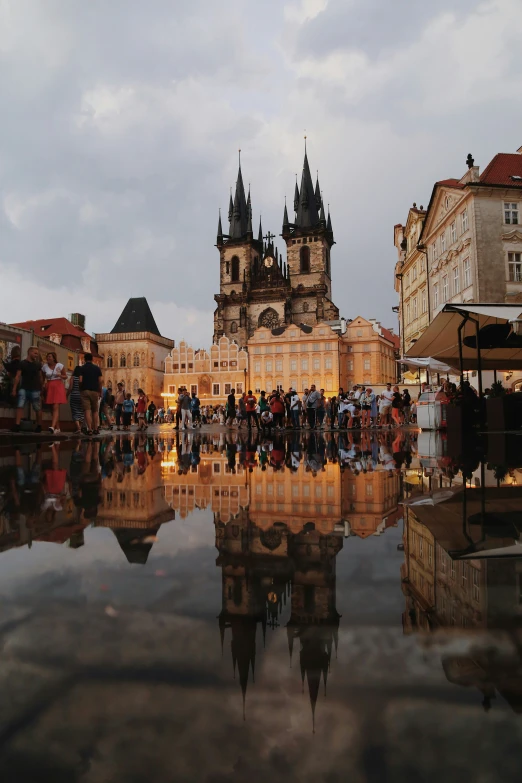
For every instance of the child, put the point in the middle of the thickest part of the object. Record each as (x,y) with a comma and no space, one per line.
(128,410)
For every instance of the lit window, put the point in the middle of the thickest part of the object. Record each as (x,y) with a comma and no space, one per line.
(465,221)
(466,268)
(511,213)
(456,280)
(515,267)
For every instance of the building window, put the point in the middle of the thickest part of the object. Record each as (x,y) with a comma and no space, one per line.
(293,365)
(359,332)
(194,389)
(476,584)
(228,388)
(350,348)
(304,364)
(430,554)
(328,363)
(268,365)
(433,251)
(414,303)
(465,221)
(215,389)
(435,296)
(109,360)
(257,349)
(445,288)
(123,362)
(304,383)
(293,348)
(328,346)
(304,260)
(349,364)
(316,364)
(234,277)
(453,232)
(407,280)
(443,242)
(408,314)
(456,280)
(279,365)
(136,360)
(239,387)
(172,389)
(316,347)
(257,366)
(367,364)
(515,267)
(466,268)
(414,272)
(511,213)
(233,327)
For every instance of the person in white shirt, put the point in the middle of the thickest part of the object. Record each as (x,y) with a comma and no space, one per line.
(385,404)
(295,406)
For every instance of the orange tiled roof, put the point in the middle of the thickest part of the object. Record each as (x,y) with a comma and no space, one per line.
(71,335)
(502,169)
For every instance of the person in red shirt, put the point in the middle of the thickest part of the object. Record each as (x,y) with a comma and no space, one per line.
(277,407)
(251,409)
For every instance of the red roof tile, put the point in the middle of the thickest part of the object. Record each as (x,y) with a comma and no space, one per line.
(503,166)
(450,183)
(393,338)
(71,335)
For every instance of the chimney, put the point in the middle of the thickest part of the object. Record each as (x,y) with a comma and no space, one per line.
(77,319)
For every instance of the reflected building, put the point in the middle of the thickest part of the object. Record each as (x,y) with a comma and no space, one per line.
(133,501)
(369,501)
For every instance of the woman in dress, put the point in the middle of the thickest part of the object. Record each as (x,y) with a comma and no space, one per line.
(75,401)
(141,409)
(55,375)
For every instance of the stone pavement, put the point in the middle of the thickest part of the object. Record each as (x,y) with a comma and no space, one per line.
(95,697)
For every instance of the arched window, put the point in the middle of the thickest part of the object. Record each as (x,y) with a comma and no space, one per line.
(123,363)
(269,318)
(233,327)
(109,360)
(235,269)
(304,257)
(136,360)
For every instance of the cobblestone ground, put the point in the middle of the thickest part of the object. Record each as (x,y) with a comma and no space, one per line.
(143,696)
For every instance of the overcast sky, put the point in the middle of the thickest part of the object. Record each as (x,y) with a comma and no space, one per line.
(120,122)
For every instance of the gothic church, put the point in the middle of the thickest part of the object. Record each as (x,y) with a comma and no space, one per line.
(258,288)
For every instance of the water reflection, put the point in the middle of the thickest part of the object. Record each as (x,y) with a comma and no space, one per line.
(283,510)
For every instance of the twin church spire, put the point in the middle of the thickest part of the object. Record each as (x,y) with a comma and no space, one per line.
(308,208)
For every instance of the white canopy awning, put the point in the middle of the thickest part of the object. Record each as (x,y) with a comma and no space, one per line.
(427,363)
(440,339)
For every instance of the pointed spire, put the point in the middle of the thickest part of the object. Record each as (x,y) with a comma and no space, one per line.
(230,207)
(296,196)
(220,230)
(260,235)
(321,214)
(286,222)
(250,232)
(240,209)
(307,212)
(318,199)
(329,221)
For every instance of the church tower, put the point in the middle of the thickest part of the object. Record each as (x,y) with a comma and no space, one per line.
(309,240)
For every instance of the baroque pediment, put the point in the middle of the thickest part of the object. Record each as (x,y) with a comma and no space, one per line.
(514,236)
(445,202)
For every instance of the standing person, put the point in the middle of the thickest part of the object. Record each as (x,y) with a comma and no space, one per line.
(320,411)
(342,411)
(27,387)
(287,398)
(385,404)
(195,411)
(277,408)
(366,407)
(90,377)
(396,406)
(54,374)
(231,408)
(186,416)
(251,412)
(263,403)
(75,402)
(304,408)
(128,410)
(141,409)
(295,407)
(332,411)
(241,411)
(119,399)
(406,406)
(181,395)
(151,410)
(312,402)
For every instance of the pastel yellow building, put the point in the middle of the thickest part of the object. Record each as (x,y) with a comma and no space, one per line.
(211,374)
(294,356)
(411,279)
(368,354)
(369,501)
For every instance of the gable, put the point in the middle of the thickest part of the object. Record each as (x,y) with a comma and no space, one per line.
(445,201)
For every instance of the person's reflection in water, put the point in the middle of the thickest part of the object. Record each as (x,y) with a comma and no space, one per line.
(89,485)
(230,448)
(195,458)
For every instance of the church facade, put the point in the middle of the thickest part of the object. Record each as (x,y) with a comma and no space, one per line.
(257,288)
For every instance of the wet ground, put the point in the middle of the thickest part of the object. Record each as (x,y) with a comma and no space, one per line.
(209,606)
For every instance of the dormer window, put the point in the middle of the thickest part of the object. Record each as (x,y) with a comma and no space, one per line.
(55,338)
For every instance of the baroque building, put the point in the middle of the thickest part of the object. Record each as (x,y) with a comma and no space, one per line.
(134,352)
(258,288)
